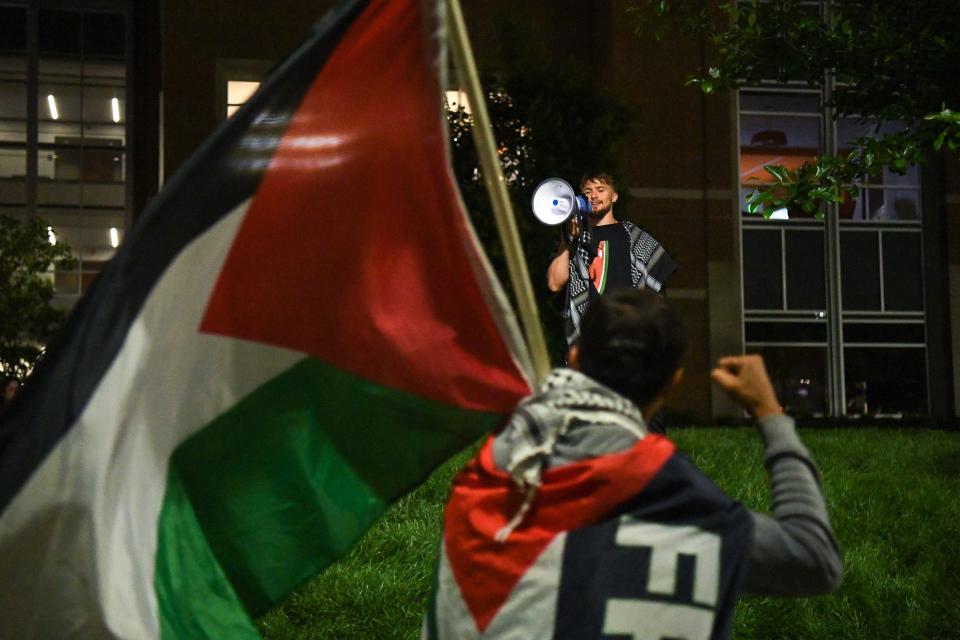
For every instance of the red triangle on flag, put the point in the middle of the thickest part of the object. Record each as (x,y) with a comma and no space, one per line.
(484,498)
(355,248)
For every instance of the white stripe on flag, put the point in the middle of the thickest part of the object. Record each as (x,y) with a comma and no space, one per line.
(81,536)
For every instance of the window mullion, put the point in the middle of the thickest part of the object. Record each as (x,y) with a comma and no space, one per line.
(838,398)
(33,108)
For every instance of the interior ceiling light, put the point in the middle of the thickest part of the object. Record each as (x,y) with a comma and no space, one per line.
(114,234)
(115,109)
(52,103)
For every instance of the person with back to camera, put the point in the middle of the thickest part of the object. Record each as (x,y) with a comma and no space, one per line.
(576,522)
(609,254)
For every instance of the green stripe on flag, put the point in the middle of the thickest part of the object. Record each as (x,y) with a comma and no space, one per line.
(284,482)
(194,597)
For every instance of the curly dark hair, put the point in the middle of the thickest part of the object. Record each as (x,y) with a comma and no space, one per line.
(632,341)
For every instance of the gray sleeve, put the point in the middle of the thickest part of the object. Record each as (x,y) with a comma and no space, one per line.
(794,553)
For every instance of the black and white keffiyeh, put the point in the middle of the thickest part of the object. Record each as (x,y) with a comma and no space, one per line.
(650,266)
(571,417)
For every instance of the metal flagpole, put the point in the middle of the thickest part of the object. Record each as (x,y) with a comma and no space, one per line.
(497,189)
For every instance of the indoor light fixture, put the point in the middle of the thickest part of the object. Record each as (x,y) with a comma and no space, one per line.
(52,103)
(114,234)
(115,108)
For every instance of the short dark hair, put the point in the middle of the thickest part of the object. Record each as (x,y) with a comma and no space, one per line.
(599,176)
(632,341)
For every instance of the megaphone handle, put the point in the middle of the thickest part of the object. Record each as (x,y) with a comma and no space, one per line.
(566,237)
(570,230)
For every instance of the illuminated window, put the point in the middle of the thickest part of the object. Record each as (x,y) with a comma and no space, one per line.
(457,99)
(238,92)
(237,80)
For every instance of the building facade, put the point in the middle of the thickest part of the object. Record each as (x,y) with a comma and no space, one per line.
(857,312)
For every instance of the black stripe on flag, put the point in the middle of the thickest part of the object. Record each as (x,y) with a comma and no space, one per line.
(221,174)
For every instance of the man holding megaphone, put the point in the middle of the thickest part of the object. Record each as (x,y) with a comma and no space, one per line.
(598,253)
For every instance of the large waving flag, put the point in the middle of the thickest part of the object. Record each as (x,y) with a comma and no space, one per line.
(299,328)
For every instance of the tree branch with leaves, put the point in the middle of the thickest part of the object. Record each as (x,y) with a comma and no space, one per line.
(890,61)
(27,317)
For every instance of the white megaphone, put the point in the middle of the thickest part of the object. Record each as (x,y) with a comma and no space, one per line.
(554,200)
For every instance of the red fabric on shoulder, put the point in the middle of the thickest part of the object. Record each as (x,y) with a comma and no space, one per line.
(483,500)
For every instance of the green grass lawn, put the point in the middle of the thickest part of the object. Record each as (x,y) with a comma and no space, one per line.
(894,498)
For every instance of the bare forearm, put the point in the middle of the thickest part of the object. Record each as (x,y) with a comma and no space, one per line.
(559,270)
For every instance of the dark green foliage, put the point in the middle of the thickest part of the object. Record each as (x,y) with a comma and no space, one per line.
(893,61)
(27,319)
(549,120)
(893,502)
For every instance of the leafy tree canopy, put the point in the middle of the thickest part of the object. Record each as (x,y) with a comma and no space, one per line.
(893,61)
(27,318)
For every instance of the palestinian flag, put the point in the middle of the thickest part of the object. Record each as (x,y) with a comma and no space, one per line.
(633,544)
(298,329)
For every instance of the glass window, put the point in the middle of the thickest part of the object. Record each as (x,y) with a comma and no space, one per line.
(888,195)
(61,102)
(787,332)
(13,110)
(885,381)
(13,29)
(780,139)
(893,204)
(67,283)
(777,128)
(787,297)
(762,269)
(237,81)
(77,281)
(804,258)
(13,186)
(13,162)
(61,32)
(238,92)
(104,101)
(860,277)
(882,204)
(902,275)
(13,106)
(80,80)
(799,376)
(456,99)
(788,102)
(104,105)
(104,35)
(877,332)
(60,167)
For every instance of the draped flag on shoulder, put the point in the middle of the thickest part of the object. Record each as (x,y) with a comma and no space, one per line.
(297,330)
(633,544)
